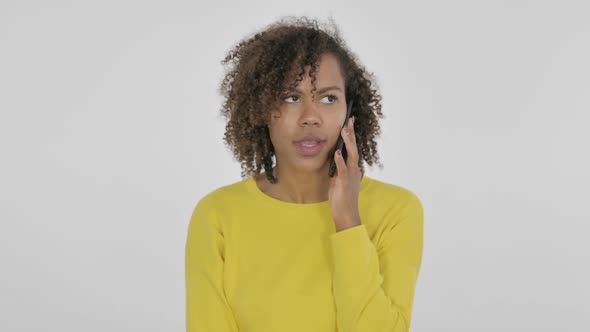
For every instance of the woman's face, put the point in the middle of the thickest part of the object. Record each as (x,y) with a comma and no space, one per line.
(300,116)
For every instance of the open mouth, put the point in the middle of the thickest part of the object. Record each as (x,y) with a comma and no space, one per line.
(309,148)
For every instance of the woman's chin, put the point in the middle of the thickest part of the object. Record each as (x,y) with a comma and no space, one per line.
(313,165)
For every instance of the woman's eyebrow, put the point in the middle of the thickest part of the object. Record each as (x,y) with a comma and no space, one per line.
(322,90)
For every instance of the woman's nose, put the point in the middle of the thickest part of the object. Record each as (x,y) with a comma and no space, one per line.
(310,112)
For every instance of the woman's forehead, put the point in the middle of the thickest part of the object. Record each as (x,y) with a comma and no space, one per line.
(327,74)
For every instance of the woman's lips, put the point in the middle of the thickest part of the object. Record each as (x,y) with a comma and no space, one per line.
(309,148)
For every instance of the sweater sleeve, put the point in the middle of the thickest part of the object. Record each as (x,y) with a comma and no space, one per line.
(374,287)
(207,308)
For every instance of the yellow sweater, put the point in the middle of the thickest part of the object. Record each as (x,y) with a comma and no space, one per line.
(258,264)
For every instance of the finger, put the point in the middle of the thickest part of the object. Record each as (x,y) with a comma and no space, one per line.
(340,164)
(350,141)
(352,131)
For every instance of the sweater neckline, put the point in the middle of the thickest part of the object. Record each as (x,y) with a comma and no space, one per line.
(259,194)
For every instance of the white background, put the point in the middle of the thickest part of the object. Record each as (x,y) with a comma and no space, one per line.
(110,133)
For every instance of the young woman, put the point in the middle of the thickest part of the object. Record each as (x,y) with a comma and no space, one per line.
(293,248)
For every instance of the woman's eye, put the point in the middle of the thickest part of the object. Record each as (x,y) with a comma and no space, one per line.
(333,97)
(291,97)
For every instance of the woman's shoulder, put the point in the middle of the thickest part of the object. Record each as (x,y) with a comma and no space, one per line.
(225,195)
(382,198)
(388,204)
(382,189)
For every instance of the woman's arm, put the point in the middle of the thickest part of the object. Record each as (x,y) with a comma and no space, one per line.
(207,308)
(374,287)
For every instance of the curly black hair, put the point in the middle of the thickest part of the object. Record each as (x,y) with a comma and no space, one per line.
(264,62)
